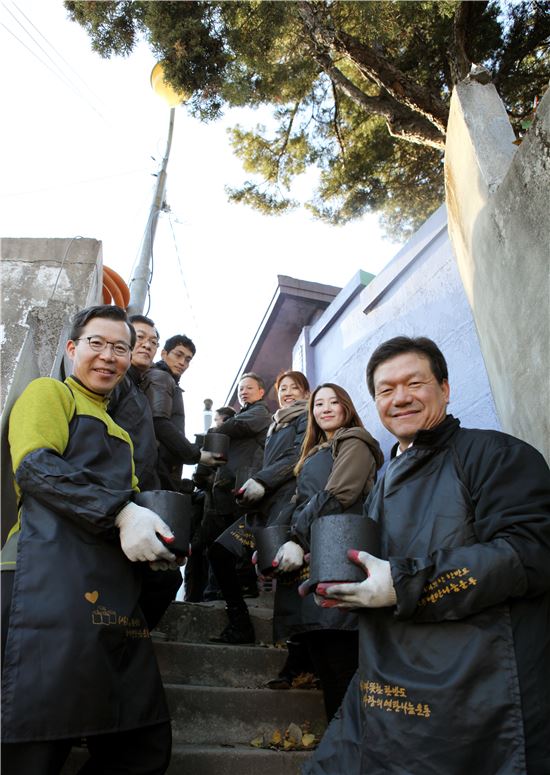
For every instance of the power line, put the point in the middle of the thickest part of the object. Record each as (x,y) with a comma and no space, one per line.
(34,54)
(180,265)
(58,53)
(67,184)
(58,72)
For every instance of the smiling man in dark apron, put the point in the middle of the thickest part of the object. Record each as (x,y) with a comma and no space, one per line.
(78,658)
(454,663)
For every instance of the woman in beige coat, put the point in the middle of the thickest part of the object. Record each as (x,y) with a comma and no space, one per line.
(336,471)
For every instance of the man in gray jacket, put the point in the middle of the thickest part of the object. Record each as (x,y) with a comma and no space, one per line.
(247,431)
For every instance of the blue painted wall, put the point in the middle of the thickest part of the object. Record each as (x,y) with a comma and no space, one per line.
(419,293)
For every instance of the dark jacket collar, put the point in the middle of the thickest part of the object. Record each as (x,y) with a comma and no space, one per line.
(163,367)
(136,375)
(434,437)
(252,403)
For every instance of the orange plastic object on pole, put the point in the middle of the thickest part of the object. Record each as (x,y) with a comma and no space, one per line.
(115,290)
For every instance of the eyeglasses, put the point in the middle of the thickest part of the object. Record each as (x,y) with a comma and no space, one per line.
(99,344)
(148,340)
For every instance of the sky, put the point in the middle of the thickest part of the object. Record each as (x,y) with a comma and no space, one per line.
(82,139)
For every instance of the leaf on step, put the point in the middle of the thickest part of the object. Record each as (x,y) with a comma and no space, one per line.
(308,740)
(304,681)
(276,738)
(293,734)
(257,742)
(289,745)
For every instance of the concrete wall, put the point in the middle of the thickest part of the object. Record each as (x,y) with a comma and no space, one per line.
(499,224)
(44,282)
(419,293)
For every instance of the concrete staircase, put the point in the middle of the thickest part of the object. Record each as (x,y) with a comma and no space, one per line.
(216,695)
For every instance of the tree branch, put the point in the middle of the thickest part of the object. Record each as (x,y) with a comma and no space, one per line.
(286,139)
(376,68)
(335,121)
(401,121)
(458,58)
(538,35)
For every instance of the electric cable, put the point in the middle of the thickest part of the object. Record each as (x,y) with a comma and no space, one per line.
(58,54)
(65,184)
(180,266)
(62,264)
(58,72)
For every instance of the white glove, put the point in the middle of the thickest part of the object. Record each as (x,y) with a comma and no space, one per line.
(209,459)
(165,565)
(290,556)
(376,591)
(138,528)
(251,491)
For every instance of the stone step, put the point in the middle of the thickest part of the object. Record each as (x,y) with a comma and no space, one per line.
(224,715)
(234,760)
(196,622)
(216,760)
(217,664)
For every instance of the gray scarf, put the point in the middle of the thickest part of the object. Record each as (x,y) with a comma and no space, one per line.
(286,415)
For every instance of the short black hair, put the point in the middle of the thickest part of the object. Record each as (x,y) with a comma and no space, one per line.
(406,344)
(226,411)
(253,375)
(143,319)
(109,311)
(176,340)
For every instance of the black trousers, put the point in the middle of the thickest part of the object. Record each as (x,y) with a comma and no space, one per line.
(335,656)
(224,565)
(143,751)
(158,589)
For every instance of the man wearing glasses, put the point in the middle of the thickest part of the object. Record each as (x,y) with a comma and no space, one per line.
(78,658)
(129,408)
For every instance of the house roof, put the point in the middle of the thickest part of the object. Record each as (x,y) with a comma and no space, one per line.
(295,304)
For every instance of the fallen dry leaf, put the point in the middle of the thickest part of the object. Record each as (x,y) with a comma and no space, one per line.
(295,739)
(293,734)
(305,681)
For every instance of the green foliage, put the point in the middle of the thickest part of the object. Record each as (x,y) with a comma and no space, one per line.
(359,90)
(402,182)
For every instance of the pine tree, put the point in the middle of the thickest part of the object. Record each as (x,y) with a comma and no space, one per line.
(359,90)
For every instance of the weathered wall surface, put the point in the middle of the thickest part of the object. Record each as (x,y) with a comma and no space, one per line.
(419,293)
(499,224)
(44,282)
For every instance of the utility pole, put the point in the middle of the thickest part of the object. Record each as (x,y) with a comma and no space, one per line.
(141,277)
(139,284)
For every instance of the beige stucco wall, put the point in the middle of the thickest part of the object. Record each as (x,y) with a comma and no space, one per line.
(499,226)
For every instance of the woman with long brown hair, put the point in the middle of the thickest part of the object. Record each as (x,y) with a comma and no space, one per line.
(334,474)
